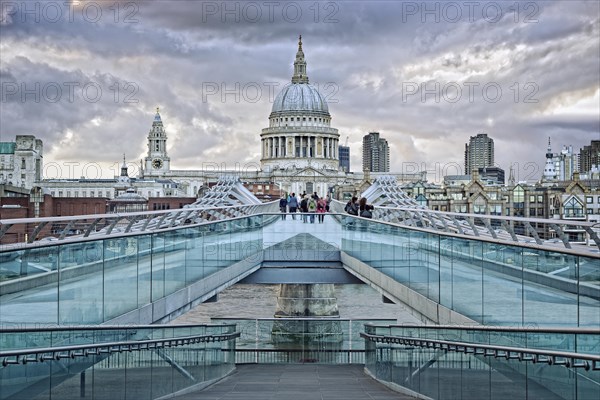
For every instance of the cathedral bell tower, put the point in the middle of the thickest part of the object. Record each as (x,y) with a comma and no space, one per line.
(157,162)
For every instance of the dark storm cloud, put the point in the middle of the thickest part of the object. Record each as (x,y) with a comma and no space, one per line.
(201,65)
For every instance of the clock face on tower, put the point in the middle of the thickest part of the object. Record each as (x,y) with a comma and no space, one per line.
(157,163)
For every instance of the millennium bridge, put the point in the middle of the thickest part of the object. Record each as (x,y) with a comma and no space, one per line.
(86,301)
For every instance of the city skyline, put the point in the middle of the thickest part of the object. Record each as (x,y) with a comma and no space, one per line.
(187,59)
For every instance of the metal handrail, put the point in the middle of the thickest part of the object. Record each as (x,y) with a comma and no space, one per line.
(463,227)
(550,357)
(15,221)
(107,327)
(495,328)
(546,246)
(154,221)
(491,216)
(23,356)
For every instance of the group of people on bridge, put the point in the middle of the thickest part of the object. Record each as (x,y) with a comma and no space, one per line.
(359,208)
(313,205)
(309,206)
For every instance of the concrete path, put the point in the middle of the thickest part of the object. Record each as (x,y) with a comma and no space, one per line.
(296,382)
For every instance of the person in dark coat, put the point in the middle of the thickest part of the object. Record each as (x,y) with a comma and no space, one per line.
(283,206)
(365,210)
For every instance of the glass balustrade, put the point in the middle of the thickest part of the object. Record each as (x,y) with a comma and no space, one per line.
(98,279)
(447,374)
(128,369)
(491,283)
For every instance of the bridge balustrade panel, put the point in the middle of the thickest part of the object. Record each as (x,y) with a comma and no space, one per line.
(87,282)
(142,362)
(94,281)
(445,374)
(491,283)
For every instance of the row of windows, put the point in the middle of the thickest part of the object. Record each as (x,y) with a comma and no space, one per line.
(291,119)
(7,163)
(539,198)
(92,193)
(259,187)
(164,206)
(83,193)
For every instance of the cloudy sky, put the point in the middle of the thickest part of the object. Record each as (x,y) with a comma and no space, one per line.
(87,77)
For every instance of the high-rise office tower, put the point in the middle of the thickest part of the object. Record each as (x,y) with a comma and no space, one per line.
(479,152)
(344,154)
(376,153)
(589,156)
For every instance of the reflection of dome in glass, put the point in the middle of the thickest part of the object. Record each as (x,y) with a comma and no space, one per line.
(300,97)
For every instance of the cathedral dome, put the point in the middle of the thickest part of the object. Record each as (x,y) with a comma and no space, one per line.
(300,97)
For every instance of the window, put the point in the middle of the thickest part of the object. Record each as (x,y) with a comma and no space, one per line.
(460,208)
(479,206)
(53,193)
(60,193)
(23,165)
(92,193)
(518,195)
(573,208)
(83,193)
(76,194)
(532,212)
(68,193)
(532,199)
(589,199)
(540,198)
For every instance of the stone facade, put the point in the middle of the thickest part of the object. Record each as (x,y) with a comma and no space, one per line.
(21,161)
(575,200)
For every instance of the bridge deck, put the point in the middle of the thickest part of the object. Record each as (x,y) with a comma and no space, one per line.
(296,382)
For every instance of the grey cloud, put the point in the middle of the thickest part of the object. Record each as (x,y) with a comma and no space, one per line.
(174,56)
